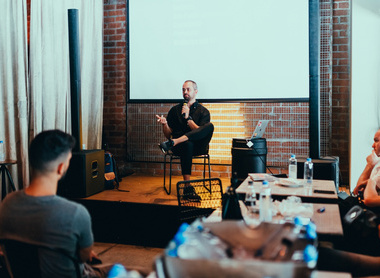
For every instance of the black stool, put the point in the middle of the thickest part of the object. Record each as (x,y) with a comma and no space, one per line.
(4,171)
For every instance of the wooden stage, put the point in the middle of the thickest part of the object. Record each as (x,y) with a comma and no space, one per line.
(145,190)
(144,216)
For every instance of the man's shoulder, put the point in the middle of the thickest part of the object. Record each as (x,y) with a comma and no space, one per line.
(68,203)
(202,108)
(174,110)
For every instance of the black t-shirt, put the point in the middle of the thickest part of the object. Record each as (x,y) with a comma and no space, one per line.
(178,124)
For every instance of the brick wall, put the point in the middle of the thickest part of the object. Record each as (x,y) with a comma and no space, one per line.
(287,133)
(132,133)
(115,121)
(341,84)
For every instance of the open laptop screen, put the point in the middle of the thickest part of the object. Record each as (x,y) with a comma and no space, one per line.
(260,129)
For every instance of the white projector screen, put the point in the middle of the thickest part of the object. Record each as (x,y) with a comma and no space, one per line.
(234,50)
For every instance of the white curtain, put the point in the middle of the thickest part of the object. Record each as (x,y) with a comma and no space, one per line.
(13,87)
(49,67)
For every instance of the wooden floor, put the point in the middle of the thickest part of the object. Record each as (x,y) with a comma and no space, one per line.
(145,189)
(132,257)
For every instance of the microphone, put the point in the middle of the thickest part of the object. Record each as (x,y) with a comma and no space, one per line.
(183,105)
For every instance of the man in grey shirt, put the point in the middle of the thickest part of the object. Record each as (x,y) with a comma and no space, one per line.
(38,216)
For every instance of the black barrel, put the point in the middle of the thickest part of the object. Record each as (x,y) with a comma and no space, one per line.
(247,159)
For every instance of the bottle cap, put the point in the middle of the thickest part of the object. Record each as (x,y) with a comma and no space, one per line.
(117,270)
(310,254)
(265,182)
(1,141)
(292,156)
(309,159)
(311,230)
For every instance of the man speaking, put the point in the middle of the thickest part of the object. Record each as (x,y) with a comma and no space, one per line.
(187,127)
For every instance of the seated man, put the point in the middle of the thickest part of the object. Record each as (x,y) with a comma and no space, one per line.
(36,215)
(369,180)
(187,127)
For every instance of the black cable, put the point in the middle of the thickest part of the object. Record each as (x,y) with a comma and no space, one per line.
(122,190)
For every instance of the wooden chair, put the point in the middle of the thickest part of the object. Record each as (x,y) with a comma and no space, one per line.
(23,259)
(172,157)
(210,192)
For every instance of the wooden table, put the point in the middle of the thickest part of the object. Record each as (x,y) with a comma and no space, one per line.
(307,195)
(329,274)
(327,222)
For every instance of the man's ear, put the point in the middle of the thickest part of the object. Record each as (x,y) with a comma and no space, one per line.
(61,169)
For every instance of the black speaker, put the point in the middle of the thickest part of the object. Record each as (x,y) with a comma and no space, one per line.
(324,168)
(85,175)
(251,158)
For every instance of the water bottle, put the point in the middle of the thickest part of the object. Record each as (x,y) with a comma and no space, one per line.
(250,197)
(196,243)
(292,167)
(265,203)
(117,271)
(2,151)
(308,172)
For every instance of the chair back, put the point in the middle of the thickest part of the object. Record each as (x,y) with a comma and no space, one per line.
(23,259)
(210,192)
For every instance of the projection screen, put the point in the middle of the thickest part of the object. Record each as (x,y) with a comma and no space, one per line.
(237,50)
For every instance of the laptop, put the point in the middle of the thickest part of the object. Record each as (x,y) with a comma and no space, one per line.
(260,129)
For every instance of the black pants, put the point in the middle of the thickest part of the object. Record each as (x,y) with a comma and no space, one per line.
(196,145)
(356,264)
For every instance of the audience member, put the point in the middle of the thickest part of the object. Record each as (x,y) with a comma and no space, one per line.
(369,179)
(36,215)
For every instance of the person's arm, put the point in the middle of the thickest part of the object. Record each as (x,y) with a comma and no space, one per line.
(85,254)
(372,159)
(82,227)
(371,197)
(165,127)
(192,124)
(202,121)
(363,179)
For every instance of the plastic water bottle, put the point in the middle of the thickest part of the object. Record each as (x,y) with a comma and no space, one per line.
(193,242)
(293,167)
(308,172)
(117,271)
(265,203)
(2,151)
(250,197)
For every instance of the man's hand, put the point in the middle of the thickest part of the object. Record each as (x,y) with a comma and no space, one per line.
(94,258)
(185,111)
(161,120)
(359,187)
